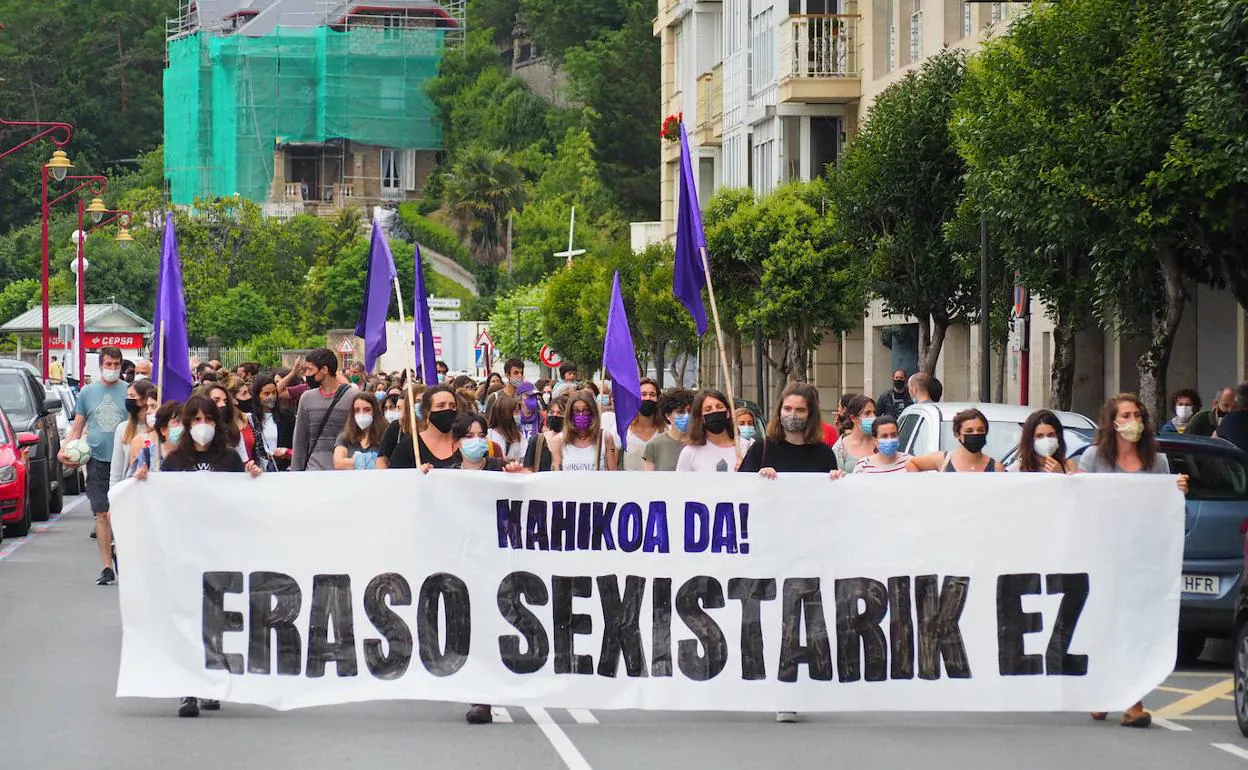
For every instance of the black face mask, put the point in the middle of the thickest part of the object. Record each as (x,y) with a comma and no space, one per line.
(899,385)
(648,408)
(311,382)
(132,406)
(555,423)
(443,419)
(975,442)
(244,406)
(716,422)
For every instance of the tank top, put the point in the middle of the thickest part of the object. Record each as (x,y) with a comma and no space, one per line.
(577,458)
(948,466)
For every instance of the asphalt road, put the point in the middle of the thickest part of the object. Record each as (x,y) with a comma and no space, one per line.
(60,640)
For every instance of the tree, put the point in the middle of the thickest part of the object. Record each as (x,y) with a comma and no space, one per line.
(574,311)
(661,325)
(520,305)
(896,188)
(237,315)
(18,297)
(480,190)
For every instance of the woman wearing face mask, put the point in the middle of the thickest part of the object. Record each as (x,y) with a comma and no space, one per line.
(146,436)
(886,458)
(504,432)
(166,433)
(1041,446)
(220,395)
(434,445)
(663,451)
(584,446)
(747,429)
(538,456)
(202,447)
(360,441)
(856,441)
(1125,443)
(134,426)
(392,410)
(606,411)
(273,425)
(970,428)
(1186,405)
(529,416)
(645,426)
(794,440)
(712,439)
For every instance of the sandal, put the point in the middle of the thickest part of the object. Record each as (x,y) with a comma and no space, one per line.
(1100,716)
(1139,718)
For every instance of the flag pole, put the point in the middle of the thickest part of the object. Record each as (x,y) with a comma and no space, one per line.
(160,367)
(411,373)
(723,355)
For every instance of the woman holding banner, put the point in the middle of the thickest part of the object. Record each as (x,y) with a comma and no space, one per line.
(273,422)
(538,457)
(856,441)
(712,439)
(646,425)
(970,427)
(794,440)
(360,441)
(434,445)
(584,445)
(887,458)
(1125,442)
(1042,447)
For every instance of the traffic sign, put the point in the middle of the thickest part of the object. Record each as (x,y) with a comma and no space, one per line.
(479,358)
(345,346)
(549,357)
(444,302)
(483,340)
(444,315)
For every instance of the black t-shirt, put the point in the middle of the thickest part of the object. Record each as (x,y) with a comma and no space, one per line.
(491,464)
(396,447)
(225,462)
(788,458)
(543,464)
(1234,428)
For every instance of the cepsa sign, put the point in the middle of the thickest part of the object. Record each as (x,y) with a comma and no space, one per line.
(97,340)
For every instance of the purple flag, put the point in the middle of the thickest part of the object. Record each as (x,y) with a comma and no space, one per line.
(377,286)
(620,359)
(689,277)
(426,360)
(171,358)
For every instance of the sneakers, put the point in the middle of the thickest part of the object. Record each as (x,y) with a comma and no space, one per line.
(209,705)
(189,707)
(479,714)
(93,534)
(786,717)
(107,577)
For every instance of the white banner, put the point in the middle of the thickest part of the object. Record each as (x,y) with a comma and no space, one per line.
(1002,592)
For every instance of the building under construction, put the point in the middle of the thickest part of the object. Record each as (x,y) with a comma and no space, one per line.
(304,105)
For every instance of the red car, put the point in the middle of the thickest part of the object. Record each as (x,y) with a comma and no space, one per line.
(14,505)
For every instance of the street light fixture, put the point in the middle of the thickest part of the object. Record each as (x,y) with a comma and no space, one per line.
(59,165)
(124,237)
(50,129)
(97,210)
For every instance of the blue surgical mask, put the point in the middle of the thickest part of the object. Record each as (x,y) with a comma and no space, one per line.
(604,400)
(889,446)
(748,432)
(474,448)
(381,396)
(867,422)
(682,422)
(418,412)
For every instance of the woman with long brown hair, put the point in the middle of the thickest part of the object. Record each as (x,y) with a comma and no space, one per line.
(1042,445)
(503,428)
(360,441)
(712,437)
(433,445)
(645,426)
(1126,443)
(584,445)
(856,441)
(794,440)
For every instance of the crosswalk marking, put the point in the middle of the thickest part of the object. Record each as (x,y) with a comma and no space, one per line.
(501,714)
(583,716)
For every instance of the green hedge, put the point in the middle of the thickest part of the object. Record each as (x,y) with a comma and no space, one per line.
(433,235)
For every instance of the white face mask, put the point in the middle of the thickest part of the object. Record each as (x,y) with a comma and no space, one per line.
(364,420)
(203,433)
(1183,412)
(393,416)
(1046,447)
(151,420)
(138,377)
(110,375)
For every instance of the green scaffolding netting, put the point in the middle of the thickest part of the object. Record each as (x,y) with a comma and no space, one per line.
(230,100)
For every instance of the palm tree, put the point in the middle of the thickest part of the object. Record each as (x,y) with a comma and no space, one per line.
(479,191)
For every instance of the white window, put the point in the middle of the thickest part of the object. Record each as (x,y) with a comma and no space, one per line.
(997,12)
(890,37)
(393,26)
(966,19)
(391,170)
(916,32)
(408,169)
(762,52)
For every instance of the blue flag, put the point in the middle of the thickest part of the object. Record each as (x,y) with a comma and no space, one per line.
(426,361)
(377,286)
(620,359)
(171,359)
(689,277)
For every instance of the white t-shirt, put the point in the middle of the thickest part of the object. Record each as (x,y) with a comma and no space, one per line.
(708,458)
(512,451)
(269,431)
(633,453)
(575,458)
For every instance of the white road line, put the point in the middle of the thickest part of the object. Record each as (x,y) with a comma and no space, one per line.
(501,714)
(1167,724)
(1231,748)
(558,739)
(10,546)
(583,716)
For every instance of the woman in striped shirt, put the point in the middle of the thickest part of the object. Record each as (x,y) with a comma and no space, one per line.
(886,458)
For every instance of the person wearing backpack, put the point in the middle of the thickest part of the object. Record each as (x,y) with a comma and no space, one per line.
(323,412)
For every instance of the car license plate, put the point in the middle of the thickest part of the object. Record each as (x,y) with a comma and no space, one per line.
(1200,584)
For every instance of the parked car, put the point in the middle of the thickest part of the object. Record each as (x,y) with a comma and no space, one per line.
(73,478)
(928,427)
(31,409)
(14,498)
(1240,664)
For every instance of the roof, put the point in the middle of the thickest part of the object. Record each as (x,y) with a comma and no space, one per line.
(1005,412)
(310,14)
(31,322)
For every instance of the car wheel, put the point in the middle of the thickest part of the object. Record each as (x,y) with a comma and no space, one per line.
(1191,645)
(37,493)
(21,527)
(1241,678)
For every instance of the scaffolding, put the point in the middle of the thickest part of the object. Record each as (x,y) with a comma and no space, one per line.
(322,77)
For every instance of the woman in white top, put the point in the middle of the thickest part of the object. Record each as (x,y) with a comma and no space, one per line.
(712,439)
(504,430)
(886,458)
(747,428)
(646,425)
(136,424)
(584,445)
(856,442)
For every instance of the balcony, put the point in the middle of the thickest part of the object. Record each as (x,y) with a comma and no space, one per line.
(820,59)
(710,128)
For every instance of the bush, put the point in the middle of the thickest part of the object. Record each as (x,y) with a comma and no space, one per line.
(433,235)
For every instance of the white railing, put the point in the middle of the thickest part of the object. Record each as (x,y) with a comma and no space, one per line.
(820,46)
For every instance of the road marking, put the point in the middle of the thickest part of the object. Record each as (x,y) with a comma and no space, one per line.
(501,714)
(563,745)
(1203,718)
(1167,724)
(1231,748)
(1182,690)
(583,716)
(1197,699)
(1199,674)
(12,545)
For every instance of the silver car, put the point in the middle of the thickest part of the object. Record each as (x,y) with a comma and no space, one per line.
(928,427)
(73,479)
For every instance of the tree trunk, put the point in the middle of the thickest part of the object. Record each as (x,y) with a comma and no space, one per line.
(998,388)
(1154,363)
(660,349)
(1062,373)
(929,357)
(679,362)
(738,366)
(925,341)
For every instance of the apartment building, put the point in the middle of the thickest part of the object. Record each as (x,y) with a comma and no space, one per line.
(772,89)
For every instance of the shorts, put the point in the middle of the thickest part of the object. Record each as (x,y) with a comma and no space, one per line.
(97,485)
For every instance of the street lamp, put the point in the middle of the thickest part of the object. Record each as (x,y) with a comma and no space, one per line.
(97,210)
(96,185)
(79,265)
(60,161)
